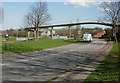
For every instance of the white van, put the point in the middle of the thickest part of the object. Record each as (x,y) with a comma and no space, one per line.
(87,37)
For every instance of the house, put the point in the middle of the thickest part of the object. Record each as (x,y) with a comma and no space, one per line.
(46,32)
(100,34)
(42,32)
(0,32)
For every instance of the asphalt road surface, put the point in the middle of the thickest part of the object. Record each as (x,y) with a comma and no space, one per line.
(45,65)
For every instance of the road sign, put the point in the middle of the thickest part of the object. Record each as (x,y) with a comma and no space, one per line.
(8,45)
(78,32)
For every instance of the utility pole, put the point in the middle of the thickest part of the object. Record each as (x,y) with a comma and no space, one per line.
(51,32)
(69,31)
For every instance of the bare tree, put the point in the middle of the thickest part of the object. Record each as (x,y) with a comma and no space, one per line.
(37,16)
(112,14)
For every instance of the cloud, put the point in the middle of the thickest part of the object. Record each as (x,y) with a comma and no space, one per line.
(102,9)
(81,3)
(86,3)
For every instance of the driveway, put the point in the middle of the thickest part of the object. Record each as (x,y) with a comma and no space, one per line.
(47,64)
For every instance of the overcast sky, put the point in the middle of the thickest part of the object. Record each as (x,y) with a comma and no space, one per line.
(61,12)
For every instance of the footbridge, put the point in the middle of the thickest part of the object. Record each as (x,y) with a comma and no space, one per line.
(72,24)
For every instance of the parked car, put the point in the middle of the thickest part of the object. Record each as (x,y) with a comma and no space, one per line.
(87,37)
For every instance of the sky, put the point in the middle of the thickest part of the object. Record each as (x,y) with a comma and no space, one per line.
(61,12)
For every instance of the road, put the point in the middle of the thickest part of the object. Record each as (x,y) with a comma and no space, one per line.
(45,65)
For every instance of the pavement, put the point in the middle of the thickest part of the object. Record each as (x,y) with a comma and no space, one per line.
(66,63)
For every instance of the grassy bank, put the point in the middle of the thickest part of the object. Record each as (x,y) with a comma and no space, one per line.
(40,44)
(109,69)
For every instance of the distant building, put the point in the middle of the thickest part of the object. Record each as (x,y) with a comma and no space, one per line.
(100,34)
(42,32)
(0,32)
(46,32)
(3,32)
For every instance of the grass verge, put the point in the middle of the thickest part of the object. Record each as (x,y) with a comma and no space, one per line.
(109,70)
(43,43)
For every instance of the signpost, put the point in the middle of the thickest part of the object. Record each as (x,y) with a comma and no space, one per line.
(8,45)
(79,32)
